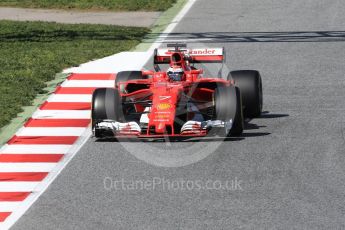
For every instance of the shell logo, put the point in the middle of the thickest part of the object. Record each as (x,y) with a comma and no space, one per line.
(163,106)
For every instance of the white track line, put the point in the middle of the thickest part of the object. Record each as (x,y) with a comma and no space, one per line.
(26,167)
(18,186)
(40,189)
(62,114)
(9,206)
(50,131)
(30,149)
(83,139)
(88,83)
(70,98)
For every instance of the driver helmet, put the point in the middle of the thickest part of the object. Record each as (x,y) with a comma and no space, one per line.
(175,74)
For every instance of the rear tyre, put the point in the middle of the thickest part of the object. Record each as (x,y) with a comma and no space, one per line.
(124,76)
(250,84)
(106,105)
(228,106)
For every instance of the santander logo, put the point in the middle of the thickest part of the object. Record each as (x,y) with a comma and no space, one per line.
(194,52)
(202,51)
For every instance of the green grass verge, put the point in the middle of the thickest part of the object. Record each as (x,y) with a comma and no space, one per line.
(32,52)
(117,5)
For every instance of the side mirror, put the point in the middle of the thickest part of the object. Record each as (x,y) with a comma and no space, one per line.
(157,68)
(197,71)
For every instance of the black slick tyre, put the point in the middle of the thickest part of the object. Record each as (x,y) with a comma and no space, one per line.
(250,84)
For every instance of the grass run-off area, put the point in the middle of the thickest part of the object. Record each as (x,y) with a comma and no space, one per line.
(31,53)
(116,5)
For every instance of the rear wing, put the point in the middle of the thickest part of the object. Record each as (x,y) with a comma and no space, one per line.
(198,55)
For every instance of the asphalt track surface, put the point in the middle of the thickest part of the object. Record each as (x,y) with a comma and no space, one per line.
(289,163)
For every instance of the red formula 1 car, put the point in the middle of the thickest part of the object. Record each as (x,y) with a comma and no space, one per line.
(179,101)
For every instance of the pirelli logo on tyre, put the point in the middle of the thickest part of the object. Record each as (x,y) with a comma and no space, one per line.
(163,106)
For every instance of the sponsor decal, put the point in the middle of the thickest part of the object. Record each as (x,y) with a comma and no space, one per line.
(170,52)
(164,97)
(194,52)
(162,112)
(162,116)
(202,51)
(160,120)
(163,106)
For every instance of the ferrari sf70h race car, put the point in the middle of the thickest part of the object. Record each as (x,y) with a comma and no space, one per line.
(179,102)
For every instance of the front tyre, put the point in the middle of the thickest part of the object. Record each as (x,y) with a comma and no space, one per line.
(106,105)
(228,106)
